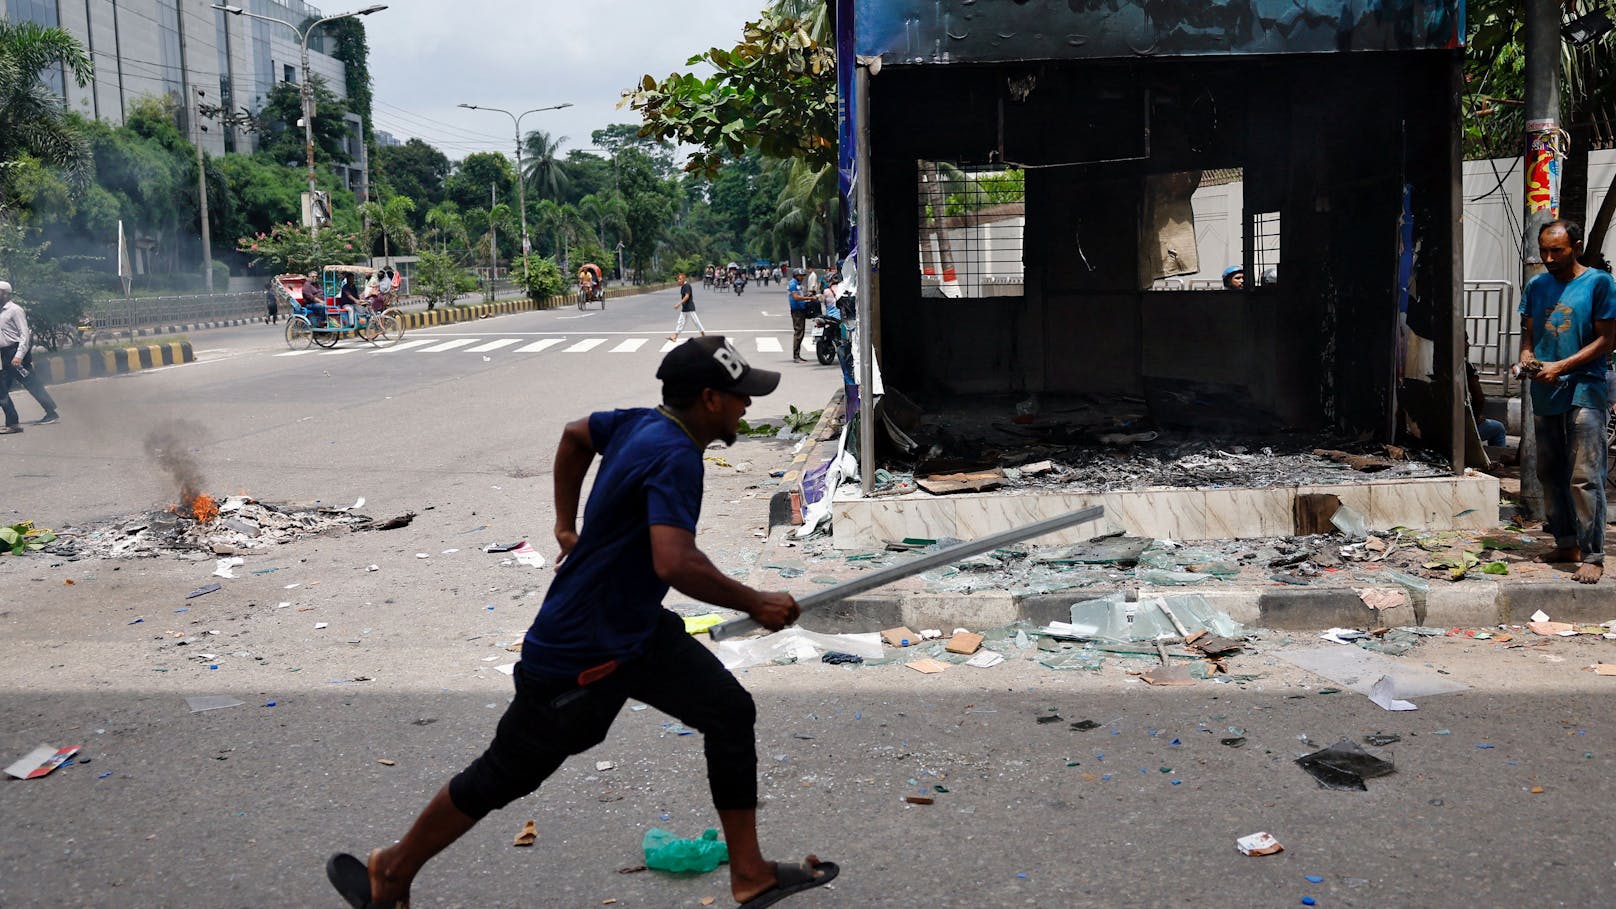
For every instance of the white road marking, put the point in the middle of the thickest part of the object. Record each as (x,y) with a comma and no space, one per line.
(768,344)
(449,345)
(406,345)
(296,353)
(669,345)
(629,345)
(338,350)
(537,346)
(584,345)
(584,316)
(494,345)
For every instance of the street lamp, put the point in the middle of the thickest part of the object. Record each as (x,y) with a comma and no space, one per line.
(521,197)
(307,92)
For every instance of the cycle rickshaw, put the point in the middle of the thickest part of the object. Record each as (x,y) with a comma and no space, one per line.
(374,320)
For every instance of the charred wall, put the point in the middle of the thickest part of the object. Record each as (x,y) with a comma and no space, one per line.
(1327,140)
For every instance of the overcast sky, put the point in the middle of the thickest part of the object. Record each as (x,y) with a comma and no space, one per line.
(426,56)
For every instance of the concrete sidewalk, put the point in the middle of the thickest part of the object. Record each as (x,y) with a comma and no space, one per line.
(1327,599)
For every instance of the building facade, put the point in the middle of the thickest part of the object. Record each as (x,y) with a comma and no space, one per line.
(195,55)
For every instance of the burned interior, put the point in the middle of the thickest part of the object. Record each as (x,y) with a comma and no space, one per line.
(1041,285)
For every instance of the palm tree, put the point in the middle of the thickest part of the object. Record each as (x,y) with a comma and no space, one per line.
(608,210)
(445,221)
(391,222)
(34,118)
(544,173)
(807,207)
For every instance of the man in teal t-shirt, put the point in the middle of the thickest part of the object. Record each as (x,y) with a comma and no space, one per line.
(1568,328)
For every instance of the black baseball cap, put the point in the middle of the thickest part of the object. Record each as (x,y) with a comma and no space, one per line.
(713,362)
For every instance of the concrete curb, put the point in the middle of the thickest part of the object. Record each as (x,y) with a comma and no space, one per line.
(71,366)
(1466,604)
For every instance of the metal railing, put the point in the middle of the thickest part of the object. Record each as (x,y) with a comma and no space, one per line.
(140,312)
(1493,330)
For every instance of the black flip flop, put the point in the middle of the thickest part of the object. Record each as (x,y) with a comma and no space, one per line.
(352,879)
(789,879)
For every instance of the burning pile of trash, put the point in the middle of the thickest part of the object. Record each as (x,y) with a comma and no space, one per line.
(200,524)
(237,524)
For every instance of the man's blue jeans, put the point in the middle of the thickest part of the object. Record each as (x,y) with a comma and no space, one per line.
(1571,466)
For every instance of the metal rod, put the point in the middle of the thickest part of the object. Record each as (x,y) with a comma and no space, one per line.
(884,576)
(864,194)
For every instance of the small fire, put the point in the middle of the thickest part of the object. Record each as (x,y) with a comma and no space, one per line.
(203,508)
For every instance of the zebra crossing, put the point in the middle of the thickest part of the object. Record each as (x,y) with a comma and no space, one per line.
(485,345)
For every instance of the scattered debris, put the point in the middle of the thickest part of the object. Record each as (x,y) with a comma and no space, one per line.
(1258,844)
(199,703)
(1170,675)
(900,636)
(1379,598)
(402,520)
(203,590)
(666,852)
(964,642)
(927,665)
(528,835)
(1345,766)
(41,761)
(1384,694)
(919,799)
(980,481)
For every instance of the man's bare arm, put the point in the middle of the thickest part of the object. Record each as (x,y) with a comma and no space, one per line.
(688,570)
(573,456)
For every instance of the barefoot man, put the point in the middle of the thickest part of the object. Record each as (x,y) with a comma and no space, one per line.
(602,636)
(1568,327)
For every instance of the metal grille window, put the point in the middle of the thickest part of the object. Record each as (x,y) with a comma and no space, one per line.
(972,221)
(1264,248)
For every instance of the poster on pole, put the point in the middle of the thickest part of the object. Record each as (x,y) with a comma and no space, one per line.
(126,271)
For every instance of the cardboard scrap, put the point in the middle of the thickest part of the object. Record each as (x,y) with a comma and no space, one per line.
(919,799)
(963,642)
(1378,598)
(1553,629)
(530,833)
(1168,676)
(927,665)
(41,761)
(985,659)
(900,636)
(1258,844)
(1604,668)
(943,484)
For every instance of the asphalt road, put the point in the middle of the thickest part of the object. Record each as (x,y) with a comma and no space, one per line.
(238,807)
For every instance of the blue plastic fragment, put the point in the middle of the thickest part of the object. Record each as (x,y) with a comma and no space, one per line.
(1309,901)
(269,703)
(213,665)
(104,775)
(183,609)
(1178,782)
(137,621)
(1315,879)
(1175,742)
(1021,874)
(1484,746)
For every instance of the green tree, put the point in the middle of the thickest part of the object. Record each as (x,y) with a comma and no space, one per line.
(414,169)
(389,222)
(284,140)
(1495,78)
(588,174)
(354,51)
(543,276)
(619,136)
(446,226)
(608,214)
(440,279)
(33,121)
(468,186)
(54,296)
(776,90)
(546,175)
(651,204)
(290,248)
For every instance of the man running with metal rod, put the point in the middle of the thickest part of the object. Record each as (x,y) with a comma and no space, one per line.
(602,636)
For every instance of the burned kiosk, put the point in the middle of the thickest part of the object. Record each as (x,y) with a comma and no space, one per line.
(1062,194)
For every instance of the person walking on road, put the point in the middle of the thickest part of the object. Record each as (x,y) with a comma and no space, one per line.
(686,307)
(17,364)
(1568,328)
(799,294)
(602,636)
(272,304)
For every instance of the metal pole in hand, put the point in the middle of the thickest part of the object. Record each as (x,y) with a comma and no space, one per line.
(881,577)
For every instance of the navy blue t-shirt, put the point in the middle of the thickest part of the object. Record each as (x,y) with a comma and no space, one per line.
(606,598)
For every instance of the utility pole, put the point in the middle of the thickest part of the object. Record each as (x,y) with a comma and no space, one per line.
(521,195)
(1543,150)
(493,238)
(202,196)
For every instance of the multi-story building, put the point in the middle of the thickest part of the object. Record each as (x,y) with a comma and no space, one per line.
(195,55)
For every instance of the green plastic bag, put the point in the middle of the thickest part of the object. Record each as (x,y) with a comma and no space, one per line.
(666,852)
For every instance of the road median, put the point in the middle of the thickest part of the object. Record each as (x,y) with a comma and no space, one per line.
(73,365)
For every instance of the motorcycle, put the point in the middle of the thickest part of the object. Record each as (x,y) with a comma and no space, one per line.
(739,284)
(827,337)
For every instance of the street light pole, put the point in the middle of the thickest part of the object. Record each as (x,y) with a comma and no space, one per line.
(521,196)
(307,92)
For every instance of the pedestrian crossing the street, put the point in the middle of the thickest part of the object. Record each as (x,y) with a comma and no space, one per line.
(759,344)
